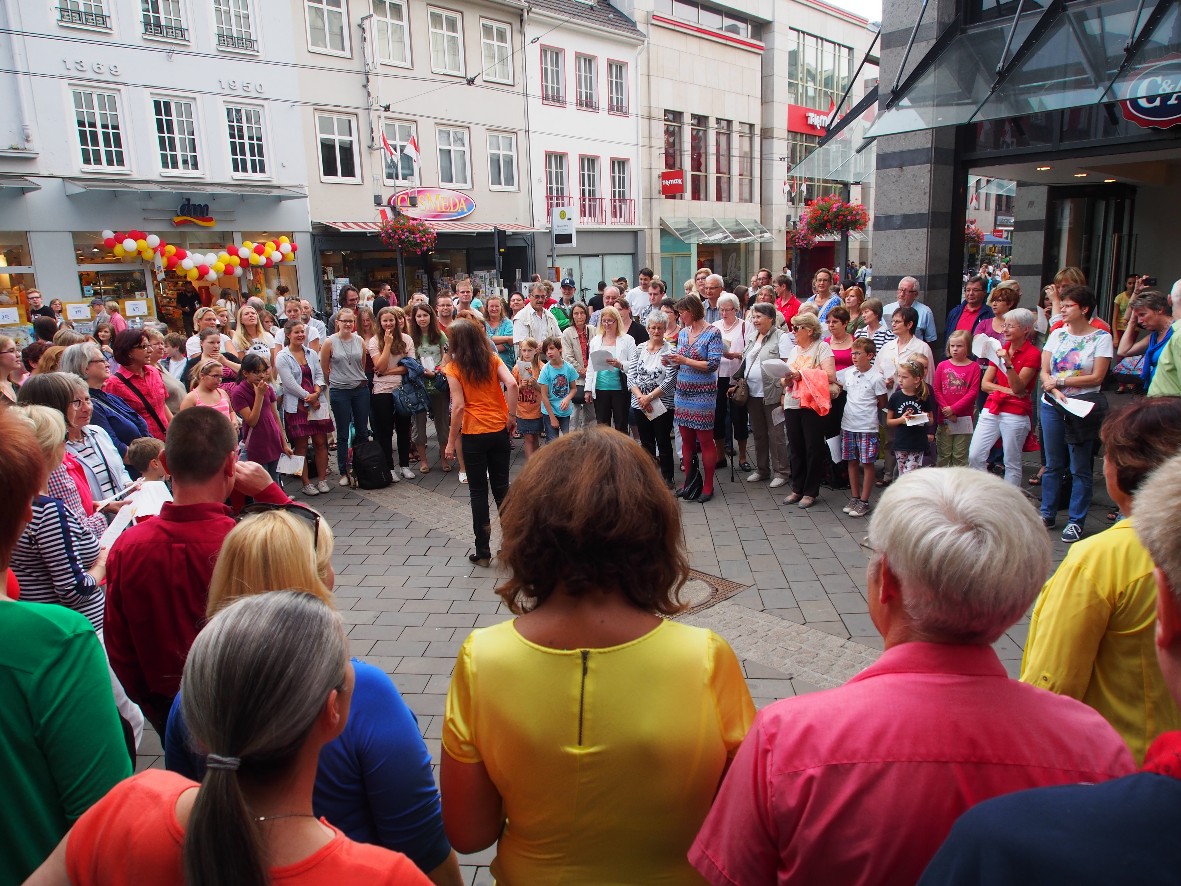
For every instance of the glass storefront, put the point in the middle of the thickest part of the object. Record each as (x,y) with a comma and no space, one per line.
(16,279)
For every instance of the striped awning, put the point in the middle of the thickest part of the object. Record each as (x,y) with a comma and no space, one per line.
(442,227)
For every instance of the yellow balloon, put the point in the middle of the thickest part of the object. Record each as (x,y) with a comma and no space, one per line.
(170,249)
(289,257)
(284,239)
(118,250)
(141,244)
(219,267)
(254,259)
(246,244)
(147,255)
(223,257)
(234,261)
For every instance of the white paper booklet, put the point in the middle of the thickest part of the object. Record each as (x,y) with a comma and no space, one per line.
(1073,405)
(986,347)
(290,464)
(775,368)
(599,358)
(657,409)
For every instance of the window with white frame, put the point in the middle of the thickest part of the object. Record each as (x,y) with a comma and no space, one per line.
(88,13)
(235,29)
(176,134)
(586,70)
(326,25)
(393,31)
(100,133)
(588,177)
(617,88)
(553,85)
(163,18)
(621,188)
(446,41)
(454,159)
(502,161)
(496,45)
(399,167)
(338,147)
(556,179)
(244,127)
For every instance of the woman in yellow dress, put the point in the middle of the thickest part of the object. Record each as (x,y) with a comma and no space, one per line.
(587,737)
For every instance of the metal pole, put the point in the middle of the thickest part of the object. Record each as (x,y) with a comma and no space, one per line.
(403,296)
(843,262)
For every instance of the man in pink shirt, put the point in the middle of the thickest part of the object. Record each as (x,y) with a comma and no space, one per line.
(861,784)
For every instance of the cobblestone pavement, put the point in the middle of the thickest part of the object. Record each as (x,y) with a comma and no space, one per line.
(410,596)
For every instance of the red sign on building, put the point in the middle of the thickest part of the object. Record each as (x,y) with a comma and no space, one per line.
(672,182)
(807,120)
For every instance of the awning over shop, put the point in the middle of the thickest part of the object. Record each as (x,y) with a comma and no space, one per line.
(75,186)
(844,155)
(1001,187)
(1065,55)
(721,231)
(16,183)
(442,227)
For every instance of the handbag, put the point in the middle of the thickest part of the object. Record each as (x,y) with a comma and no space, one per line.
(739,388)
(411,398)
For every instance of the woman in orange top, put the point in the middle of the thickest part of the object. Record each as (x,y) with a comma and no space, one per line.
(250,821)
(483,414)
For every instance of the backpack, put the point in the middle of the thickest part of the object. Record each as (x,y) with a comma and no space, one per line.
(369,466)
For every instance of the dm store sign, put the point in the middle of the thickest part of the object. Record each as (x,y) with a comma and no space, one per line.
(433,204)
(1156,95)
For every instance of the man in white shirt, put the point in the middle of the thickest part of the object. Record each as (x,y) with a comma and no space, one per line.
(533,320)
(294,314)
(312,322)
(637,296)
(908,294)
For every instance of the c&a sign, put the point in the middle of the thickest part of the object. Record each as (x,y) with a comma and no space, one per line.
(1156,92)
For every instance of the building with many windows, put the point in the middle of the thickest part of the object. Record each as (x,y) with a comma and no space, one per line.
(582,71)
(161,116)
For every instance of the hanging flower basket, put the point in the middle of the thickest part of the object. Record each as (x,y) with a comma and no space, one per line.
(832,215)
(973,236)
(408,234)
(801,238)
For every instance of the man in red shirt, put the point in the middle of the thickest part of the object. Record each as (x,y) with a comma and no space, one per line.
(971,310)
(861,784)
(786,302)
(158,571)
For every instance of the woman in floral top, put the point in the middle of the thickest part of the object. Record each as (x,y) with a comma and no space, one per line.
(652,381)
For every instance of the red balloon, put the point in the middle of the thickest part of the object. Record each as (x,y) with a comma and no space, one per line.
(294,247)
(268,263)
(136,235)
(109,242)
(171,261)
(181,254)
(203,269)
(259,249)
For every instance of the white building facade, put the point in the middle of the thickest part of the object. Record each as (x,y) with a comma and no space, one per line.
(582,67)
(168,117)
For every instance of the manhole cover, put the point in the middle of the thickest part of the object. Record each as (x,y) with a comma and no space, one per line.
(703,590)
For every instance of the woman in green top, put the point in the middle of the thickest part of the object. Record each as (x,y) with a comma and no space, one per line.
(500,329)
(430,344)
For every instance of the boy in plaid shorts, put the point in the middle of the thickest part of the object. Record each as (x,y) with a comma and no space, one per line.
(866,397)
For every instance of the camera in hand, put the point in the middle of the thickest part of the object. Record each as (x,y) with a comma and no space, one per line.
(1150,281)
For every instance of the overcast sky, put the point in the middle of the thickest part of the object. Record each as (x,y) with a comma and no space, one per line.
(869,9)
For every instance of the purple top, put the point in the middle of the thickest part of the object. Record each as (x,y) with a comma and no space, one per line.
(263,442)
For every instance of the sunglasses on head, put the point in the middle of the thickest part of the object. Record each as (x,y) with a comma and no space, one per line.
(306,514)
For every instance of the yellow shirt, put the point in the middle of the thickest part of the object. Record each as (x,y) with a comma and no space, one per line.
(1092,637)
(607,759)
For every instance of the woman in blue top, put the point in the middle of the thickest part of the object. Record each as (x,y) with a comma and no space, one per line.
(1151,310)
(111,413)
(374,781)
(500,329)
(699,351)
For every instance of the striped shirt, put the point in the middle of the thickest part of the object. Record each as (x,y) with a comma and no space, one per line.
(51,559)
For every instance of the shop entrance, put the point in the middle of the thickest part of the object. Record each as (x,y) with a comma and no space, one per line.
(1092,230)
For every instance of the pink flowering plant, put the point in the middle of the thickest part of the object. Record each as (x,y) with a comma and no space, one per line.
(973,236)
(801,238)
(408,234)
(832,215)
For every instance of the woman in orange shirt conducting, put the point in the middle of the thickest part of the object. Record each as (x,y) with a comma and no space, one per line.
(483,416)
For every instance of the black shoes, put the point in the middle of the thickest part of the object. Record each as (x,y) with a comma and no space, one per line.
(484,560)
(707,497)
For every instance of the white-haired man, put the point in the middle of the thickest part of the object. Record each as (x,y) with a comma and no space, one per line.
(860,784)
(711,290)
(908,297)
(1122,831)
(533,320)
(611,298)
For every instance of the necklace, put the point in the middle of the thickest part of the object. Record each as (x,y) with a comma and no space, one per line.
(284,815)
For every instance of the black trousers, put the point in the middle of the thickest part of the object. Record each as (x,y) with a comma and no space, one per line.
(486,457)
(729,414)
(656,436)
(612,407)
(806,450)
(386,421)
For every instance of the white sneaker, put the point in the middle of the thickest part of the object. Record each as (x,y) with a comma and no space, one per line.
(777,482)
(407,474)
(395,476)
(310,490)
(756,477)
(323,486)
(848,509)
(344,479)
(462,477)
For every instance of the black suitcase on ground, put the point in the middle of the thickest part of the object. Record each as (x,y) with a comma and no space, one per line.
(369,466)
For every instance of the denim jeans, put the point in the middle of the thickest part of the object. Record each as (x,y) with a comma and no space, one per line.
(562,428)
(486,457)
(1012,430)
(350,408)
(1078,458)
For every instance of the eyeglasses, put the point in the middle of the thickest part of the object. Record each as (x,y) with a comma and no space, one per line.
(306,514)
(80,402)
(142,346)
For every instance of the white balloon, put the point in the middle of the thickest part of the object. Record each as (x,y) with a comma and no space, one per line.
(238,271)
(211,276)
(284,248)
(188,264)
(108,235)
(276,256)
(244,253)
(153,240)
(129,245)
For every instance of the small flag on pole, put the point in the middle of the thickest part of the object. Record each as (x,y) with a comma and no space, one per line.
(385,143)
(411,149)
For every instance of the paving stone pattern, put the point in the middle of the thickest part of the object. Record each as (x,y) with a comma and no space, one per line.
(410,597)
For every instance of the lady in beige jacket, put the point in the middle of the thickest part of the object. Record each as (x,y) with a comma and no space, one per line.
(766,392)
(576,339)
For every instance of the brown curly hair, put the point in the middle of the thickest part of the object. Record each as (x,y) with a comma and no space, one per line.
(591,514)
